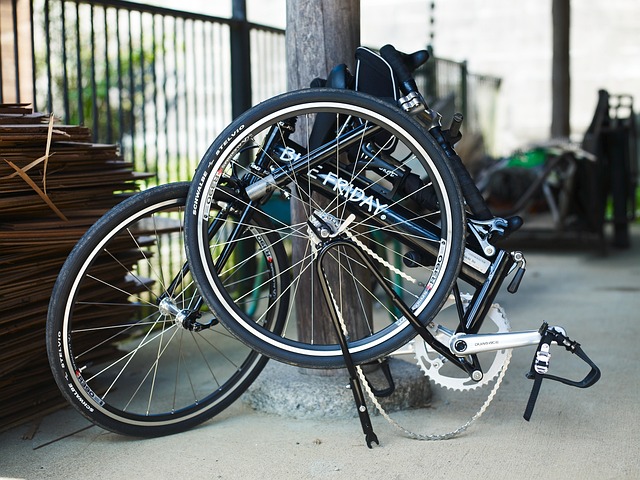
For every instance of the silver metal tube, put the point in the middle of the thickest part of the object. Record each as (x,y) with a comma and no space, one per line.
(260,188)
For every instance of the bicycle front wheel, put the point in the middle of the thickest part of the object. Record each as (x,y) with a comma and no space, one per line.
(335,169)
(130,345)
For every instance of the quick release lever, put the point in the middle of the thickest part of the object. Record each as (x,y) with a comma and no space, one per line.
(518,257)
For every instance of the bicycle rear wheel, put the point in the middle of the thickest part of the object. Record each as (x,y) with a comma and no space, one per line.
(308,160)
(129,345)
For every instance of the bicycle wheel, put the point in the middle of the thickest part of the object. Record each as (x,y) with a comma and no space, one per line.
(129,346)
(324,165)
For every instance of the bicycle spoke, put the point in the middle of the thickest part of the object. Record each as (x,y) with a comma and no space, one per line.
(316,168)
(130,335)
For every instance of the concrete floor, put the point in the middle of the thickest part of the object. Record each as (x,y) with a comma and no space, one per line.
(586,434)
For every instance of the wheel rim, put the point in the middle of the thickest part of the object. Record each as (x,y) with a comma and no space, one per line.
(131,360)
(225,168)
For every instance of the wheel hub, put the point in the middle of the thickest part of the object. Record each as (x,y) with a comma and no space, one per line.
(186,318)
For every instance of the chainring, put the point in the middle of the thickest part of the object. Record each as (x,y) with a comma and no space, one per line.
(437,367)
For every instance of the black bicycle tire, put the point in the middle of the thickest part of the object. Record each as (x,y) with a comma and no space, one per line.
(317,357)
(69,380)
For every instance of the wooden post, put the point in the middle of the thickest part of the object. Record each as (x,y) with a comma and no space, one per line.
(240,60)
(321,34)
(560,75)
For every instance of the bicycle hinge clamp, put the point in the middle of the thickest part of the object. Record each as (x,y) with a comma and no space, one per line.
(540,364)
(414,104)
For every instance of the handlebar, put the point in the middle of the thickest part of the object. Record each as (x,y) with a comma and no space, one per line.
(403,65)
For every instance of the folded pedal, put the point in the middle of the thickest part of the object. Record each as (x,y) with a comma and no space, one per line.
(540,364)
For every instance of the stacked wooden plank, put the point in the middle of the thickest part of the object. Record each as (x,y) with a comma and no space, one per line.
(54,184)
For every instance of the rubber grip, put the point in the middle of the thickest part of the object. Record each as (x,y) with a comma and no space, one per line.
(400,69)
(472,195)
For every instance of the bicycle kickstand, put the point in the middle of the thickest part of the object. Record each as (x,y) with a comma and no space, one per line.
(354,380)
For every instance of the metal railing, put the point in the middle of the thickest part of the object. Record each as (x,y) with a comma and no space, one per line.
(159,82)
(455,89)
(163,83)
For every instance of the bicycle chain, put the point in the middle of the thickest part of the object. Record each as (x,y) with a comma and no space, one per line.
(377,257)
(365,383)
(442,436)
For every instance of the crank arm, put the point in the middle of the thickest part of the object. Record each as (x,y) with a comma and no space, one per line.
(463,344)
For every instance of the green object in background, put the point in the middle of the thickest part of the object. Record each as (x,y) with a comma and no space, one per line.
(529,159)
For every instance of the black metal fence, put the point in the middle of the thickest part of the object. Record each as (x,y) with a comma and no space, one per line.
(455,89)
(162,83)
(159,82)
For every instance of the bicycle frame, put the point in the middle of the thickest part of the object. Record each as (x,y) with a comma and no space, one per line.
(377,206)
(484,275)
(484,266)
